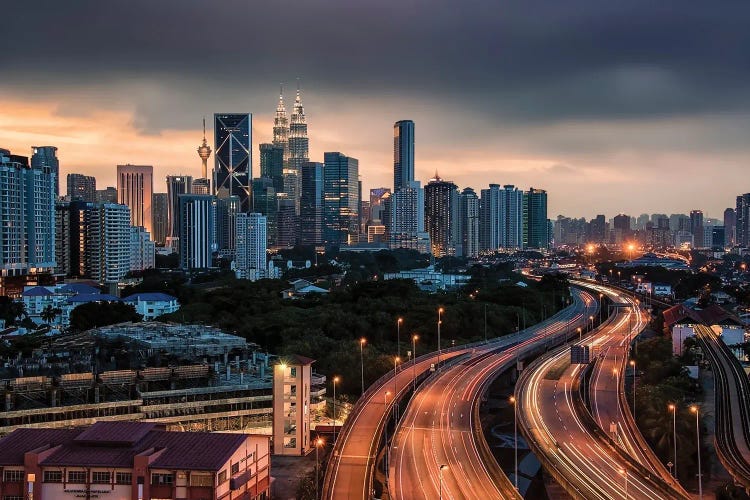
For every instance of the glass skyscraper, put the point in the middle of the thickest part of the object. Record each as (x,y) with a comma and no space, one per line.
(403,154)
(233,157)
(341,198)
(272,165)
(536,225)
(311,203)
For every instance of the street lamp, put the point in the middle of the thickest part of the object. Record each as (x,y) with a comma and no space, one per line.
(673,409)
(601,309)
(414,339)
(580,334)
(396,361)
(362,343)
(385,457)
(441,469)
(398,336)
(624,472)
(335,381)
(696,410)
(591,319)
(632,363)
(440,321)
(318,444)
(515,440)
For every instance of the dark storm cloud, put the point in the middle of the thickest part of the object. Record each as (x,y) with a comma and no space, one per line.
(521,61)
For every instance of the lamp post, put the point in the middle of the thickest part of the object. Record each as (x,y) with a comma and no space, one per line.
(601,309)
(318,444)
(673,409)
(440,321)
(580,334)
(362,343)
(385,456)
(396,361)
(616,376)
(335,381)
(398,336)
(632,363)
(441,468)
(591,319)
(515,440)
(696,410)
(414,339)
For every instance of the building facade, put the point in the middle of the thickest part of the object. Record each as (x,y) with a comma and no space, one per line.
(311,203)
(107,237)
(161,218)
(252,246)
(272,164)
(135,187)
(467,227)
(291,406)
(536,223)
(81,187)
(233,168)
(45,158)
(341,202)
(298,146)
(177,185)
(197,216)
(440,214)
(142,250)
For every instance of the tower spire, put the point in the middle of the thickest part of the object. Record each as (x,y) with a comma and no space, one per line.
(204,151)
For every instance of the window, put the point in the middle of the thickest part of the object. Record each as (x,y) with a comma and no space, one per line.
(77,476)
(100,477)
(12,497)
(123,478)
(13,476)
(235,468)
(53,476)
(293,372)
(162,478)
(222,476)
(197,479)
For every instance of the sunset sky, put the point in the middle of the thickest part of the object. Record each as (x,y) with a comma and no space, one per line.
(632,107)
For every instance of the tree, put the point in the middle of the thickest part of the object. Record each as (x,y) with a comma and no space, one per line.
(50,313)
(96,314)
(11,311)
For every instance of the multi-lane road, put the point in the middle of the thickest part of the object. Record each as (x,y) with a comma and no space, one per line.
(732,406)
(565,436)
(350,471)
(440,426)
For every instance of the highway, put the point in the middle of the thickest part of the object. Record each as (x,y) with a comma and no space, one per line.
(732,406)
(349,472)
(441,427)
(567,439)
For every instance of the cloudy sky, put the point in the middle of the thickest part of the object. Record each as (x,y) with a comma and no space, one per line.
(636,106)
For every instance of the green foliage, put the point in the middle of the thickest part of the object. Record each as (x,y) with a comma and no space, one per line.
(11,311)
(96,314)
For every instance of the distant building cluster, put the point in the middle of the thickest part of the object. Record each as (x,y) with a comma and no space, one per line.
(104,234)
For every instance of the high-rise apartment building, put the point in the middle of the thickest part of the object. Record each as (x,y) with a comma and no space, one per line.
(135,186)
(272,164)
(107,236)
(536,224)
(742,221)
(161,218)
(440,206)
(287,222)
(696,228)
(27,216)
(265,203)
(467,226)
(196,230)
(251,261)
(142,249)
(407,225)
(46,157)
(233,168)
(311,203)
(177,185)
(341,198)
(106,195)
(81,187)
(730,222)
(598,229)
(501,219)
(403,154)
(201,186)
(226,216)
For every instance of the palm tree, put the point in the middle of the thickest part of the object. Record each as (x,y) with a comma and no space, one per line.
(49,313)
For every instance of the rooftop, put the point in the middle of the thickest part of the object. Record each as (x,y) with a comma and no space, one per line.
(151,297)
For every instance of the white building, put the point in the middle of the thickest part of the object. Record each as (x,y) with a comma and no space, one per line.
(109,242)
(250,260)
(142,249)
(61,300)
(152,305)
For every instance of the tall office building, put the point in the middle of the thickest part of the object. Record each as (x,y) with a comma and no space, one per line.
(196,230)
(501,217)
(377,212)
(81,187)
(696,228)
(251,261)
(46,157)
(287,223)
(265,203)
(341,198)
(311,203)
(135,185)
(161,218)
(106,195)
(225,227)
(621,228)
(272,165)
(742,221)
(177,185)
(201,186)
(27,216)
(440,207)
(729,226)
(107,237)
(403,154)
(598,229)
(536,224)
(298,146)
(233,166)
(468,224)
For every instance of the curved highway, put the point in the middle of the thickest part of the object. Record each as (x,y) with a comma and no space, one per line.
(732,406)
(349,472)
(440,426)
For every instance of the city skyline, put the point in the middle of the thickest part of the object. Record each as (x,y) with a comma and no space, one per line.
(626,118)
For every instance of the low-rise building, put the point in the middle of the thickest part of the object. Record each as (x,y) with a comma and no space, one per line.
(133,460)
(152,305)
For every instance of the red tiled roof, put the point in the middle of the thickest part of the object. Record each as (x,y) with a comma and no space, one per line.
(114,444)
(296,359)
(14,445)
(711,315)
